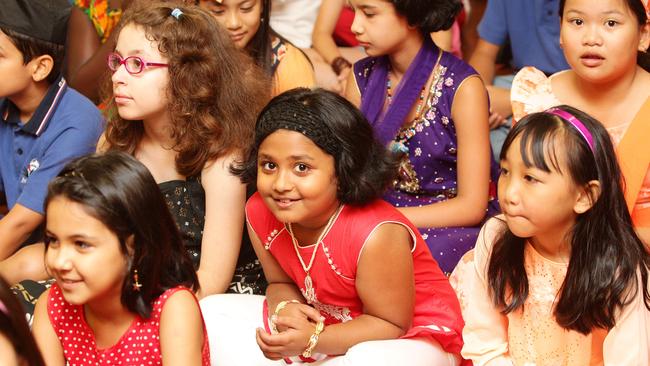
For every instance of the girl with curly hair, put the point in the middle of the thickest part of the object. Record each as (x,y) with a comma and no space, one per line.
(183,102)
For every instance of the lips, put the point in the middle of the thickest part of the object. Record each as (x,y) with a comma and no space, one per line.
(121,99)
(283,202)
(237,37)
(591,59)
(68,284)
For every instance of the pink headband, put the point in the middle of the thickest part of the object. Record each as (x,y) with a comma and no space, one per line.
(575,123)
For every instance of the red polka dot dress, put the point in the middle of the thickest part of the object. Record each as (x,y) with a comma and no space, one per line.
(139,345)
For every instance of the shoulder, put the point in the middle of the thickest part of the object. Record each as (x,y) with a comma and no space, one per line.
(261,219)
(531,92)
(176,300)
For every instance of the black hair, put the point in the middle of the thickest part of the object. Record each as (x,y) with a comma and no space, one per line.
(120,192)
(638,9)
(606,253)
(429,16)
(13,326)
(363,166)
(31,48)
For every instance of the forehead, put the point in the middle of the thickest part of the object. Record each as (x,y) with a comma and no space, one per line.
(133,40)
(377,4)
(598,7)
(6,45)
(286,143)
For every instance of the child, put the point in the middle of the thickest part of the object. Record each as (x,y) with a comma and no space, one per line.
(183,102)
(560,278)
(416,97)
(17,347)
(43,125)
(348,274)
(122,291)
(247,23)
(606,44)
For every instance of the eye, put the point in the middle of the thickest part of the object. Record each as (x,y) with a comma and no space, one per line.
(247,8)
(504,172)
(135,64)
(611,23)
(529,178)
(577,21)
(268,165)
(82,244)
(302,168)
(50,241)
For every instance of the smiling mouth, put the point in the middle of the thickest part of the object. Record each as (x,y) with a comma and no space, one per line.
(284,202)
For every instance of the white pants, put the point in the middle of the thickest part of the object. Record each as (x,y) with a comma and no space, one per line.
(231,320)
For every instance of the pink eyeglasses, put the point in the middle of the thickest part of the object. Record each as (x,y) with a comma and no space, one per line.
(133,64)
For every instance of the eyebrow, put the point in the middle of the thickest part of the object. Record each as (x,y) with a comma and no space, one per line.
(609,12)
(292,157)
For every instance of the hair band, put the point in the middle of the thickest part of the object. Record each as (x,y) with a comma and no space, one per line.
(575,122)
(3,309)
(176,13)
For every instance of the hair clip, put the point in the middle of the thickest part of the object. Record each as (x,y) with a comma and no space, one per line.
(176,13)
(74,173)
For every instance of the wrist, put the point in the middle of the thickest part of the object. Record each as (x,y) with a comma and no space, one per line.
(313,339)
(281,305)
(339,64)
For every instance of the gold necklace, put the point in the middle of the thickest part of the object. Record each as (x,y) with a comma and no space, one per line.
(310,294)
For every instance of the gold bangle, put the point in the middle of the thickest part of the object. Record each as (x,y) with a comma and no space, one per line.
(313,339)
(281,305)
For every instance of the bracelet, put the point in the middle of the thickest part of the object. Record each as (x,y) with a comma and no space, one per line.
(339,63)
(313,340)
(281,305)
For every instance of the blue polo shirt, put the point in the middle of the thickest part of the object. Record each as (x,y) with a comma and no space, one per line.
(533,27)
(64,126)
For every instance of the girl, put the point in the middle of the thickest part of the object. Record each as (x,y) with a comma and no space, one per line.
(348,274)
(606,44)
(560,278)
(416,96)
(122,291)
(247,22)
(183,102)
(17,347)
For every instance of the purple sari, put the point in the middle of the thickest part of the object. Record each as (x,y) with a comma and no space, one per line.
(428,145)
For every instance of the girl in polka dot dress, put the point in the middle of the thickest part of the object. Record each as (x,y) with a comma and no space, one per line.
(123,291)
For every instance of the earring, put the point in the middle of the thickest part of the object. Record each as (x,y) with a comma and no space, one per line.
(136,284)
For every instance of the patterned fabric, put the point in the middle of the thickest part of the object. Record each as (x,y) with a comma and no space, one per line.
(532,92)
(103,18)
(531,336)
(334,269)
(428,168)
(186,202)
(139,345)
(296,70)
(28,292)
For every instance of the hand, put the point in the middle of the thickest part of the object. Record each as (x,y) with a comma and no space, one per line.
(495,120)
(291,342)
(299,311)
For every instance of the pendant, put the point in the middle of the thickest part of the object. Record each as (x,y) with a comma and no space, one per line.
(310,292)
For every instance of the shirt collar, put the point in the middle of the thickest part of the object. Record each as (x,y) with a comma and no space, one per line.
(44,112)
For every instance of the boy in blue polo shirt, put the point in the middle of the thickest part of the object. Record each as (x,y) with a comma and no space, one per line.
(43,124)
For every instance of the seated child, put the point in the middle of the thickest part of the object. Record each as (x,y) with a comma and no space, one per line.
(123,290)
(349,276)
(44,124)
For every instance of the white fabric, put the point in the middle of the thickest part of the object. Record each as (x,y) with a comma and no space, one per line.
(295,19)
(231,320)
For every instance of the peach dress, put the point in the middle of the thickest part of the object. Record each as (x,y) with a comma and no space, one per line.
(532,336)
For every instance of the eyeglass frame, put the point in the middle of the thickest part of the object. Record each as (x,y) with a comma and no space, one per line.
(123,60)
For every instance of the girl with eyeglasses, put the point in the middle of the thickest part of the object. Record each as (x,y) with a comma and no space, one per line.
(183,101)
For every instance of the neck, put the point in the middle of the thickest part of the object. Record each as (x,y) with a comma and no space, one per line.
(107,310)
(158,130)
(554,246)
(607,92)
(307,233)
(29,99)
(401,59)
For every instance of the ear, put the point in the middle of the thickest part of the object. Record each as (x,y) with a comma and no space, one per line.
(41,67)
(644,39)
(587,196)
(130,246)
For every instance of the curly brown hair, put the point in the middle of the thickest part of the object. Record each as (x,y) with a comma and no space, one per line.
(215,91)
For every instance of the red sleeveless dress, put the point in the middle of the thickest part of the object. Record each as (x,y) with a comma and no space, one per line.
(437,312)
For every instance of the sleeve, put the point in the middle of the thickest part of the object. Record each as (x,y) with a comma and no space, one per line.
(494,25)
(628,343)
(531,92)
(294,71)
(485,334)
(79,139)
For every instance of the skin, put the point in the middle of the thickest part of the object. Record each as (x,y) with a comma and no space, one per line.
(225,195)
(85,258)
(240,17)
(297,181)
(373,19)
(25,87)
(8,355)
(543,206)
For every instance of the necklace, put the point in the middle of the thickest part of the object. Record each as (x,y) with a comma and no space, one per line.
(310,294)
(389,95)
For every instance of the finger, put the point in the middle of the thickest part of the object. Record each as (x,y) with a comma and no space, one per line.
(313,314)
(272,340)
(269,351)
(292,322)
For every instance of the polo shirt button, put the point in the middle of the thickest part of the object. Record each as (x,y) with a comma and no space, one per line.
(19,151)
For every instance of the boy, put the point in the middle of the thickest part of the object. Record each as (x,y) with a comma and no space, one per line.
(43,124)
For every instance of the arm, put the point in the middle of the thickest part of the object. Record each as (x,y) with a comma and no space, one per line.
(46,339)
(225,197)
(386,287)
(322,39)
(16,227)
(181,330)
(468,207)
(483,60)
(352,93)
(294,71)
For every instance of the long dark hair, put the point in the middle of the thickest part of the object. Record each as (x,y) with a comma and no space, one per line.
(120,192)
(13,326)
(606,254)
(637,7)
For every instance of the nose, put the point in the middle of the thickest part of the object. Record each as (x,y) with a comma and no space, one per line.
(356,26)
(282,181)
(119,75)
(592,36)
(233,21)
(59,259)
(509,190)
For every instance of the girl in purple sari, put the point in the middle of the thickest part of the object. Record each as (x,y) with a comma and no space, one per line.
(432,109)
